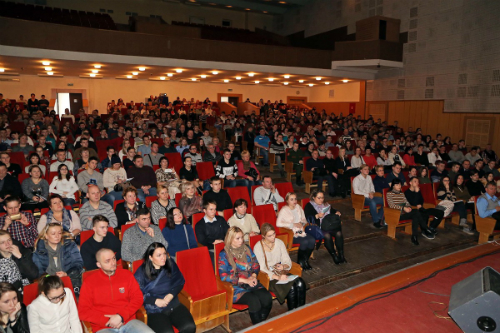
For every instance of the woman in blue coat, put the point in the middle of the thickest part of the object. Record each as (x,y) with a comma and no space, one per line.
(178,233)
(161,281)
(58,255)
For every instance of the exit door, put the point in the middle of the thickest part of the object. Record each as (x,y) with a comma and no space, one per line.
(234,100)
(75,102)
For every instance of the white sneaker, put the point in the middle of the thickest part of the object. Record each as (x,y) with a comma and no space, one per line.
(468,231)
(463,222)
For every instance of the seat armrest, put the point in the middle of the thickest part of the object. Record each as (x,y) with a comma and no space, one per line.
(126,265)
(264,279)
(290,236)
(142,315)
(307,176)
(296,269)
(228,288)
(87,327)
(358,201)
(185,299)
(428,205)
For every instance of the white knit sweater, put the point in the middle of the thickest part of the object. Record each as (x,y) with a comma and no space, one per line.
(61,186)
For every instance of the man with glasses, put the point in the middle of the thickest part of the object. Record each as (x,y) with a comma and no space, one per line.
(193,153)
(110,297)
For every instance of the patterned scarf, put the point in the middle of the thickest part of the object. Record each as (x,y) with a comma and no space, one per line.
(319,209)
(237,253)
(66,216)
(131,212)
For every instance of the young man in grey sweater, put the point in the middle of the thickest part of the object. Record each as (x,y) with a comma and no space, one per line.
(136,239)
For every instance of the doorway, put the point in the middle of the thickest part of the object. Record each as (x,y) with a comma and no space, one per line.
(75,102)
(234,100)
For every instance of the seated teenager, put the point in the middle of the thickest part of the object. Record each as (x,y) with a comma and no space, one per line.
(463,194)
(397,200)
(21,225)
(126,212)
(35,190)
(445,192)
(211,229)
(102,239)
(58,214)
(54,310)
(238,265)
(190,203)
(64,185)
(275,261)
(474,185)
(227,169)
(178,233)
(12,311)
(292,217)
(416,199)
(363,185)
(137,238)
(160,281)
(97,305)
(241,219)
(161,206)
(16,263)
(94,206)
(58,255)
(315,211)
(217,194)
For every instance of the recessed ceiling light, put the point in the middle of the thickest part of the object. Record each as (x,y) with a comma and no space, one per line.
(46,63)
(265,11)
(257,82)
(97,66)
(229,6)
(203,76)
(286,76)
(301,81)
(282,2)
(162,78)
(178,70)
(48,69)
(345,81)
(212,4)
(129,76)
(226,81)
(92,75)
(318,79)
(193,79)
(285,83)
(238,78)
(251,74)
(95,71)
(142,69)
(271,79)
(192,0)
(247,8)
(215,72)
(170,74)
(50,73)
(310,84)
(135,73)
(327,83)
(2,70)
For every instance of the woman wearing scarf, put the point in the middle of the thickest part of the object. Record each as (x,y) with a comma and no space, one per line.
(239,266)
(58,214)
(161,281)
(314,212)
(126,211)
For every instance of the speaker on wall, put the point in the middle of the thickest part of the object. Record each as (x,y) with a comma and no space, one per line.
(475,302)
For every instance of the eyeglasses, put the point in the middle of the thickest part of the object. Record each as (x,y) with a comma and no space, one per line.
(57,298)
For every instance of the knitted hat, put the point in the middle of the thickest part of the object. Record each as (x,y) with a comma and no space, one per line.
(115,159)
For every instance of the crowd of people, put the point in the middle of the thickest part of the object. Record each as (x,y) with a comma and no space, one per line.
(88,193)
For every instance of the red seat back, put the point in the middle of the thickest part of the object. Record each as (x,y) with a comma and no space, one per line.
(239,192)
(136,264)
(264,214)
(205,170)
(85,235)
(22,177)
(254,240)
(194,263)
(150,200)
(162,223)
(428,193)
(125,227)
(304,202)
(116,202)
(30,292)
(18,158)
(284,188)
(175,161)
(281,205)
(217,250)
(228,213)
(195,219)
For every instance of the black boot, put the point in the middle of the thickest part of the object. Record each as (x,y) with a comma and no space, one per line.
(307,255)
(414,240)
(255,317)
(264,313)
(301,260)
(301,287)
(342,258)
(331,249)
(318,244)
(292,298)
(299,181)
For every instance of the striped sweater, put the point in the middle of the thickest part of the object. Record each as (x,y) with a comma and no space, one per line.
(397,200)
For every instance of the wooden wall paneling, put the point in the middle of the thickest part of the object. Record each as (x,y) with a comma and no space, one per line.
(417,116)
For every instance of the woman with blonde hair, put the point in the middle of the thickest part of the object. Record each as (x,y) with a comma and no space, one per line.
(275,261)
(238,265)
(190,203)
(123,151)
(292,217)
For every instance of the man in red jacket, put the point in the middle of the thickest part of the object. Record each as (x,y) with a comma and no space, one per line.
(109,298)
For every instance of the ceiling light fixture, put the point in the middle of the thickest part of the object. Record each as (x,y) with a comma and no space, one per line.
(238,78)
(215,72)
(97,66)
(95,71)
(50,73)
(226,81)
(46,63)
(286,76)
(129,76)
(327,83)
(203,76)
(170,74)
(257,82)
(48,69)
(162,78)
(193,79)
(229,6)
(251,74)
(142,69)
(310,84)
(135,73)
(265,11)
(271,79)
(178,70)
(301,81)
(92,75)
(318,79)
(2,70)
(282,2)
(247,8)
(345,81)
(285,83)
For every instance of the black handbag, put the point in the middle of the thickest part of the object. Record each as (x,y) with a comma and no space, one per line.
(252,173)
(331,222)
(318,172)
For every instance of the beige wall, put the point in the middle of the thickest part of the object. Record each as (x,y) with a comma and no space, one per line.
(345,92)
(169,12)
(102,91)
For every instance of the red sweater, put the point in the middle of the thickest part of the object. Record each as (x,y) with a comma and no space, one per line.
(108,295)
